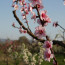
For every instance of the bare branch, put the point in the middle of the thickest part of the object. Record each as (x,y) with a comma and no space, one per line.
(20,23)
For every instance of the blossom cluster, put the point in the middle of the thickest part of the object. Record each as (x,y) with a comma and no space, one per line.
(43,19)
(47,53)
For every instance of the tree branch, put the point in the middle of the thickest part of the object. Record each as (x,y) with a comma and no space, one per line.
(60,43)
(20,23)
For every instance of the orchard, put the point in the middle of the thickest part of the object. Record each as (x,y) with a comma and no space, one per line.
(42,19)
(43,50)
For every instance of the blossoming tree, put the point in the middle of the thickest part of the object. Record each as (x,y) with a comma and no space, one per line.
(42,19)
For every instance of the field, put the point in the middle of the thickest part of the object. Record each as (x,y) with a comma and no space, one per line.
(60,58)
(10,53)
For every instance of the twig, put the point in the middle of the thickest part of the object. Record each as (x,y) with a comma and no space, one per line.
(52,52)
(61,27)
(26,19)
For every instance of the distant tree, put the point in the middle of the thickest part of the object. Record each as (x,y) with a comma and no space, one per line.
(23,39)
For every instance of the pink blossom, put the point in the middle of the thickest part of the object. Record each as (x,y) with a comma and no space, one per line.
(26,11)
(47,44)
(22,9)
(40,6)
(16,7)
(34,2)
(29,7)
(13,24)
(21,3)
(47,55)
(22,31)
(34,16)
(26,5)
(55,24)
(48,20)
(40,31)
(23,15)
(43,15)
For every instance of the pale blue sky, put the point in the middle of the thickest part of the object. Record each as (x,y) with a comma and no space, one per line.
(56,11)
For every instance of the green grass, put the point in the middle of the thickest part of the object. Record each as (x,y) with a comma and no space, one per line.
(60,58)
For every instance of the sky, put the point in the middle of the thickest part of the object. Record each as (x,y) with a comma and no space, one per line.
(55,10)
